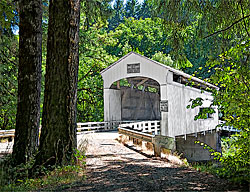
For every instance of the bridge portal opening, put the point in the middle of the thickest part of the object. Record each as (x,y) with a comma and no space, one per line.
(136,99)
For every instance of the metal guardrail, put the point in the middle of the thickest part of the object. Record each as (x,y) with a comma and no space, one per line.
(229,128)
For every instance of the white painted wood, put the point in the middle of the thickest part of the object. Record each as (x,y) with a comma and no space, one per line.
(142,126)
(148,69)
(112,105)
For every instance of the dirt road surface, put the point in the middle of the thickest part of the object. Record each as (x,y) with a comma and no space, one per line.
(113,167)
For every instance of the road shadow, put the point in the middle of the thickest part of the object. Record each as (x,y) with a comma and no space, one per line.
(137,175)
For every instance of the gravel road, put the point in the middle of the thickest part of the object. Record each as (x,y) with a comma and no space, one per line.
(113,167)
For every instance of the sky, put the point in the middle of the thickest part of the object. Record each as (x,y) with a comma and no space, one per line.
(16,29)
(140,1)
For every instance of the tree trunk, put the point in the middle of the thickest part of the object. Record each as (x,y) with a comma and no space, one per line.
(58,137)
(29,80)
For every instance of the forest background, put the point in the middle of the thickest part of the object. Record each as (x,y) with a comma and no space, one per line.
(207,39)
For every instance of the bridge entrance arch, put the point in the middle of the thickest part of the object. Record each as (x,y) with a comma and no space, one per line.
(135,88)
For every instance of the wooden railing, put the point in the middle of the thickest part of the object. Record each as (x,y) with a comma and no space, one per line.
(227,127)
(151,127)
(147,131)
(82,128)
(7,133)
(98,126)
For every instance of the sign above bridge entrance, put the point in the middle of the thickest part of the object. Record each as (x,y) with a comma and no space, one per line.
(133,68)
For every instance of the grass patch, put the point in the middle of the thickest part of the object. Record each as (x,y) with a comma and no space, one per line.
(17,178)
(60,178)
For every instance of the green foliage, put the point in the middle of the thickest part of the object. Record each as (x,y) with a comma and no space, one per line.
(93,59)
(145,10)
(232,75)
(94,11)
(164,59)
(18,178)
(8,81)
(131,8)
(142,36)
(236,158)
(8,16)
(118,14)
(224,24)
(234,162)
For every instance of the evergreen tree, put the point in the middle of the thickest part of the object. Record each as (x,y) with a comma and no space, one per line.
(118,14)
(58,136)
(145,10)
(29,80)
(132,8)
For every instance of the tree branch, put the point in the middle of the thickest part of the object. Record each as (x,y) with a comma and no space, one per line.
(7,58)
(86,74)
(8,90)
(245,25)
(227,27)
(242,76)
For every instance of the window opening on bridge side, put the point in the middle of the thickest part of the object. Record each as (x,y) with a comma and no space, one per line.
(206,111)
(189,82)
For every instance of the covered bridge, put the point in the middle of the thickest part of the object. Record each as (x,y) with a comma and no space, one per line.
(137,88)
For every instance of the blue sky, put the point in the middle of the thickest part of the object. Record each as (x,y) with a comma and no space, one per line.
(16,29)
(140,1)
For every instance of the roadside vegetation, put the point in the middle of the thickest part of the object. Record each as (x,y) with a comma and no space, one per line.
(47,178)
(206,39)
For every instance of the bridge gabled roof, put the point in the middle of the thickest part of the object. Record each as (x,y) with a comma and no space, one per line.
(167,68)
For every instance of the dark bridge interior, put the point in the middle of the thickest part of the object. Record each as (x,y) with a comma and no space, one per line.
(140,98)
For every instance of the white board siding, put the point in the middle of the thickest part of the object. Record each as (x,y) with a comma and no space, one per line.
(112,105)
(181,120)
(147,69)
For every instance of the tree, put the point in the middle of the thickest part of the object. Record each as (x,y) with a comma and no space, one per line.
(58,136)
(29,80)
(8,64)
(145,10)
(131,8)
(164,59)
(227,23)
(145,36)
(8,16)
(117,16)
(93,59)
(8,81)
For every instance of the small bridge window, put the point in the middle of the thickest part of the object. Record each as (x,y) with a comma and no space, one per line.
(189,82)
(206,112)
